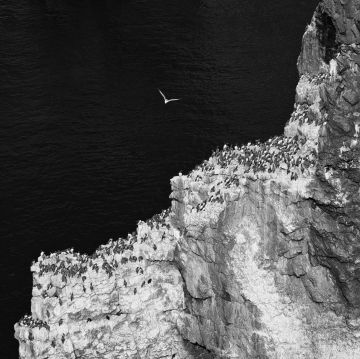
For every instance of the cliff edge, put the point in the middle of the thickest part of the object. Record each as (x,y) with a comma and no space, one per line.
(259,254)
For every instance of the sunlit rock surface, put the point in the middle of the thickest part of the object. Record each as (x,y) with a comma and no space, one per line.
(259,255)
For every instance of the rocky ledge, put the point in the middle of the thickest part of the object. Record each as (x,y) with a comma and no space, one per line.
(259,254)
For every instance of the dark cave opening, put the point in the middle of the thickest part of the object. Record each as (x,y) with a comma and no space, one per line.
(327,35)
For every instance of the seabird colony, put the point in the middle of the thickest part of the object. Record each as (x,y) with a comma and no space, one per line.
(279,154)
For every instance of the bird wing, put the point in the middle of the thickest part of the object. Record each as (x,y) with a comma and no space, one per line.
(174,99)
(162,95)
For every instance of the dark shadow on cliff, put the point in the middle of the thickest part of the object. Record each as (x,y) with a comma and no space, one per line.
(327,34)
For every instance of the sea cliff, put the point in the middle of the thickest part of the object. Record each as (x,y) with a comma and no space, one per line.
(259,254)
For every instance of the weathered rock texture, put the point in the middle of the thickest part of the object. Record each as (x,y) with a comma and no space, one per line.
(259,255)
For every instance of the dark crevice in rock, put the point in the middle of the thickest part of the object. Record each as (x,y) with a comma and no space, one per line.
(330,209)
(199,351)
(225,296)
(327,35)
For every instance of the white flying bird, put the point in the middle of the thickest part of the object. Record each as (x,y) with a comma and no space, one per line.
(168,100)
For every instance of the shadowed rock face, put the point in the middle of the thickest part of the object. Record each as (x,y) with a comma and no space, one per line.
(335,25)
(335,22)
(326,35)
(259,255)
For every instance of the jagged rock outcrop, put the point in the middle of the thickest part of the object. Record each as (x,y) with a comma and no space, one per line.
(259,255)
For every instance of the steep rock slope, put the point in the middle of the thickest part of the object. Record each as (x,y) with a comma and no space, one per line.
(259,255)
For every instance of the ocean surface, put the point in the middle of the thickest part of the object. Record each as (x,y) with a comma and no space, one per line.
(87,145)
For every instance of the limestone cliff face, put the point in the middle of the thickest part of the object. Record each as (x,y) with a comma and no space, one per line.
(259,255)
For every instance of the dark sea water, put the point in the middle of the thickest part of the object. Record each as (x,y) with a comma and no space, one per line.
(87,147)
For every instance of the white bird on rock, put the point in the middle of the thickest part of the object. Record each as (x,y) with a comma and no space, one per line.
(168,100)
